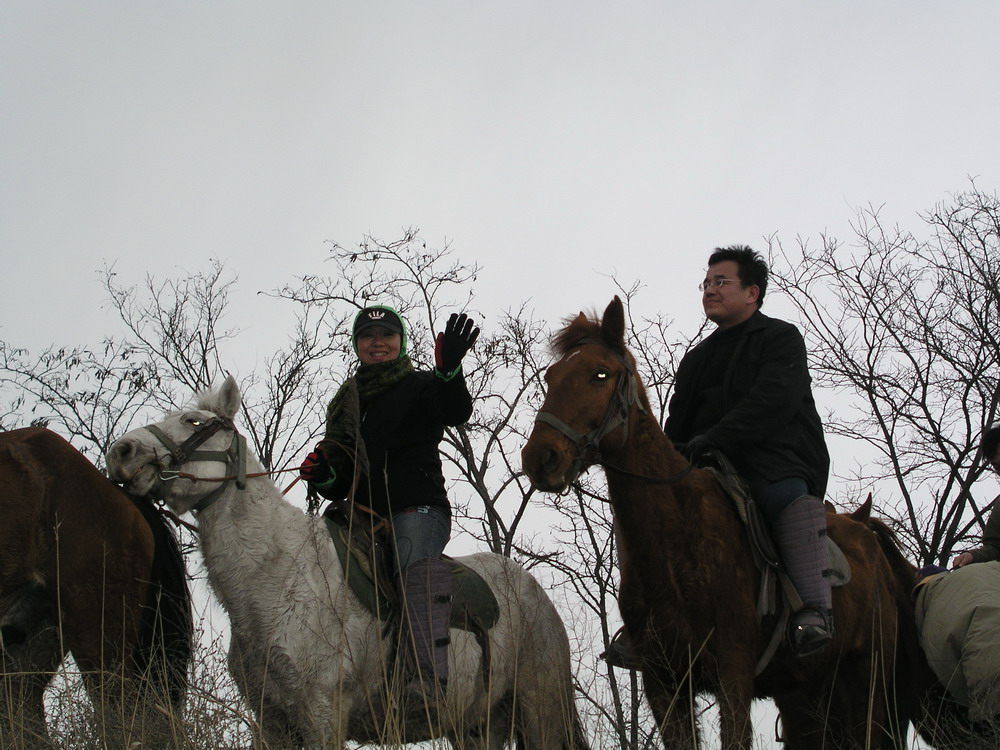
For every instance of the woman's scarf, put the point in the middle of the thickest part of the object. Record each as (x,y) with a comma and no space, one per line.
(342,444)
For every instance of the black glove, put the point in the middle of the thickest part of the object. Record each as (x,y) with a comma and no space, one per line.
(454,342)
(315,469)
(697,446)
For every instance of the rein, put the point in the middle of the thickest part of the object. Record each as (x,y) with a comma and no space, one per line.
(168,475)
(645,477)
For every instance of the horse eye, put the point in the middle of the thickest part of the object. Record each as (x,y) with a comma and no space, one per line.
(195,422)
(601,375)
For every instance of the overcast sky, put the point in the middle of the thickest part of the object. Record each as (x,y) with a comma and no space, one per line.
(553,143)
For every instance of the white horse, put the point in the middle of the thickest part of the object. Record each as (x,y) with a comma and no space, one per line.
(310,660)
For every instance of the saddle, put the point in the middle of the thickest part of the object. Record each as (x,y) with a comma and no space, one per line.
(777,593)
(366,558)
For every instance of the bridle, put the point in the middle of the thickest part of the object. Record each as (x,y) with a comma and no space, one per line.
(235,457)
(588,445)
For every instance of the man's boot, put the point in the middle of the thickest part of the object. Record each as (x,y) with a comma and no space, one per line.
(427,590)
(800,533)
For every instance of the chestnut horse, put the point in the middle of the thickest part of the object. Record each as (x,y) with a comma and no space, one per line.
(689,585)
(85,569)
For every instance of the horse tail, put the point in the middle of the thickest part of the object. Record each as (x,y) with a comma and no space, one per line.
(578,740)
(913,678)
(166,644)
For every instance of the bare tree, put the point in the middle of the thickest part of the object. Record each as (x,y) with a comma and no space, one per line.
(907,331)
(91,394)
(173,343)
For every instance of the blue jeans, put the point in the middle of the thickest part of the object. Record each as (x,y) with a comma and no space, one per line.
(773,497)
(419,532)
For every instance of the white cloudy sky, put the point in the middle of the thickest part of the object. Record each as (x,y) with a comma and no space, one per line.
(552,142)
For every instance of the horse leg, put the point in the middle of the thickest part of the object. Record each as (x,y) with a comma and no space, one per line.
(22,714)
(673,708)
(29,656)
(494,733)
(545,714)
(803,721)
(735,696)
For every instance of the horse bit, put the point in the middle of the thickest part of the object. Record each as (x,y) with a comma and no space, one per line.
(234,456)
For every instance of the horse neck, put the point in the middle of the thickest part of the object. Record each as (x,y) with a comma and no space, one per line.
(643,507)
(245,528)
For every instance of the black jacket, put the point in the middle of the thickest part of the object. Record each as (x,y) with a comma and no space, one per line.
(765,419)
(990,549)
(401,430)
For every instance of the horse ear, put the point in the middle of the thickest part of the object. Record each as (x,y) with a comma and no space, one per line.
(229,398)
(613,323)
(864,511)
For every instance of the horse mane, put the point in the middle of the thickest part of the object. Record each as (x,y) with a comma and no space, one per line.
(915,678)
(587,329)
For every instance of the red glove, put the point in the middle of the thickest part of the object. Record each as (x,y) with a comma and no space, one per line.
(315,469)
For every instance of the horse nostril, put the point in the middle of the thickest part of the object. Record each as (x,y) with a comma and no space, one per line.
(550,461)
(122,450)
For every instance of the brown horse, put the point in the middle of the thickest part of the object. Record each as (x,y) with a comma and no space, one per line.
(689,585)
(85,569)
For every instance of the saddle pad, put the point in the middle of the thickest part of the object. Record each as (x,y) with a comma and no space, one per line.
(473,602)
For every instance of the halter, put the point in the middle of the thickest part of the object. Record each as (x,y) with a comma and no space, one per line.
(235,457)
(616,415)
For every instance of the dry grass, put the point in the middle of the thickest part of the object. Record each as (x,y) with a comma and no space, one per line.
(215,717)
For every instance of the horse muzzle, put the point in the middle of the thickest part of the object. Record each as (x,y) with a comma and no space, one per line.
(548,464)
(133,465)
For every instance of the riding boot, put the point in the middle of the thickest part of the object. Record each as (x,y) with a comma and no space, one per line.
(427,591)
(800,533)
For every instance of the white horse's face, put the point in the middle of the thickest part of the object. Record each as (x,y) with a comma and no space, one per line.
(147,461)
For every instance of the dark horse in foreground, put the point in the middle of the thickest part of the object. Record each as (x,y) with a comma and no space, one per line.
(87,570)
(689,585)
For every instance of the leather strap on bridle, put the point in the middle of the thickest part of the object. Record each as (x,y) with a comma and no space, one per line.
(616,415)
(234,457)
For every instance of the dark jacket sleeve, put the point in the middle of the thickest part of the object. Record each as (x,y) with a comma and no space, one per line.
(780,384)
(449,401)
(676,424)
(990,549)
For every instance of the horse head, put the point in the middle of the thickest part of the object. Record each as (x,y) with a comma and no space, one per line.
(590,392)
(188,459)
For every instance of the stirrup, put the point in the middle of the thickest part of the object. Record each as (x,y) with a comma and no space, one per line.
(809,638)
(620,653)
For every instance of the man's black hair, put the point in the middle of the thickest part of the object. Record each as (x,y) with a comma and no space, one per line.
(752,266)
(989,441)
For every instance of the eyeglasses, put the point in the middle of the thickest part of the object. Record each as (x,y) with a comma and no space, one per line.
(714,284)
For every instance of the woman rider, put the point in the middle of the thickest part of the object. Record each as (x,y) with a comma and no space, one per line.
(380,449)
